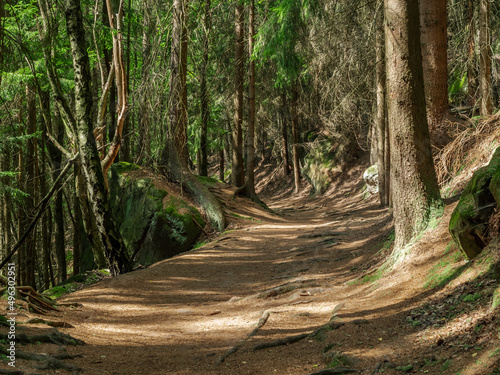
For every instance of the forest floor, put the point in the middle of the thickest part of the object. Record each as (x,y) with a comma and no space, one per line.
(310,264)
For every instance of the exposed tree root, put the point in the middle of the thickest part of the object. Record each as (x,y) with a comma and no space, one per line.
(52,338)
(33,301)
(335,371)
(280,342)
(320,234)
(332,324)
(250,194)
(11,372)
(49,323)
(234,349)
(47,362)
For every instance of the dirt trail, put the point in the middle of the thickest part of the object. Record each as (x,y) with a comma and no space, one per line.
(180,315)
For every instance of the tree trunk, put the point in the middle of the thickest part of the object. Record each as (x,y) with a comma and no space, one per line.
(237,175)
(30,244)
(471,63)
(434,44)
(125,148)
(381,115)
(175,153)
(115,24)
(114,248)
(295,136)
(249,185)
(221,162)
(144,138)
(415,191)
(204,97)
(77,240)
(178,93)
(486,105)
(56,158)
(284,135)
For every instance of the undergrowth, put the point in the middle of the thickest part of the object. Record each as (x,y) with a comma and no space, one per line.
(76,282)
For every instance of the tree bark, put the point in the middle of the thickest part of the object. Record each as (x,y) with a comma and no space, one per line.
(471,63)
(284,135)
(295,137)
(177,87)
(381,115)
(237,175)
(249,185)
(434,44)
(204,96)
(415,191)
(486,104)
(175,153)
(144,137)
(31,160)
(114,248)
(77,240)
(55,127)
(21,213)
(115,24)
(221,162)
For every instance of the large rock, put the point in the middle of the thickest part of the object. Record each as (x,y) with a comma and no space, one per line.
(370,176)
(154,224)
(469,220)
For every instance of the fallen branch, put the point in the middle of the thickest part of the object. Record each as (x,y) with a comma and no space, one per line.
(234,349)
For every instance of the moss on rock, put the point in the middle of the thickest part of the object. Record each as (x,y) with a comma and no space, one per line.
(469,221)
(153,224)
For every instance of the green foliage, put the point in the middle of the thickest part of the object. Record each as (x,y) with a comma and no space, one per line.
(317,164)
(458,86)
(406,368)
(278,38)
(75,283)
(472,297)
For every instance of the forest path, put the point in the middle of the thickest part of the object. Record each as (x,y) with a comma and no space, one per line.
(180,315)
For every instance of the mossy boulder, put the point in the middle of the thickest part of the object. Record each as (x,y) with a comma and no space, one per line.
(469,220)
(154,224)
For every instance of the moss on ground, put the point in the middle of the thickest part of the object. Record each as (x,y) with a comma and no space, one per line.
(447,269)
(75,283)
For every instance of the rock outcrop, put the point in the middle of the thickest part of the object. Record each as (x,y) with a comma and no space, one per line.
(154,224)
(469,221)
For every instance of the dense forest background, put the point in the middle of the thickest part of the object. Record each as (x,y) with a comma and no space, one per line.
(216,87)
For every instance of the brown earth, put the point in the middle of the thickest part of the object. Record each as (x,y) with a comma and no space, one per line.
(300,264)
